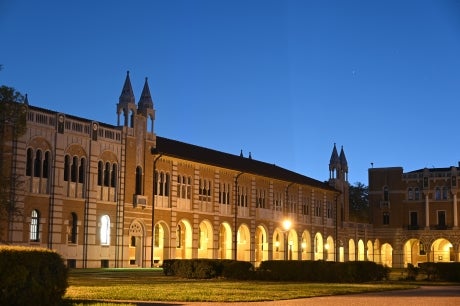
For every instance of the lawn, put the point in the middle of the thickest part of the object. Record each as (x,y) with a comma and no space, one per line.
(86,285)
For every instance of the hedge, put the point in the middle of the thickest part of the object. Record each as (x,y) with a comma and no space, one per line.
(207,268)
(31,276)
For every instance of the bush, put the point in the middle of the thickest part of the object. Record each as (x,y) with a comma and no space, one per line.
(207,268)
(31,276)
(446,271)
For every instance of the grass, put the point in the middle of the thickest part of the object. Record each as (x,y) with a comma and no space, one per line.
(95,287)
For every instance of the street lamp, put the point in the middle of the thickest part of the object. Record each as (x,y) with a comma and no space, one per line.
(286,226)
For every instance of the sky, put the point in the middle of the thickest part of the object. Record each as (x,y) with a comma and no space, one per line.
(284,80)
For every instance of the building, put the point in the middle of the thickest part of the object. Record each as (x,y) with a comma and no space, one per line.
(121,196)
(415,214)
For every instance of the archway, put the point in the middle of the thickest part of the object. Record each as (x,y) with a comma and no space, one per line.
(329,249)
(136,245)
(184,240)
(293,245)
(244,243)
(442,250)
(414,252)
(205,240)
(370,251)
(351,250)
(306,246)
(225,241)
(360,250)
(318,247)
(387,255)
(261,245)
(161,243)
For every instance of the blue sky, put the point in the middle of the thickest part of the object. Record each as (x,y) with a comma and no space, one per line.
(284,80)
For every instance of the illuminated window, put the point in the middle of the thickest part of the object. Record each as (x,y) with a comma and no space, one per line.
(105,230)
(35,226)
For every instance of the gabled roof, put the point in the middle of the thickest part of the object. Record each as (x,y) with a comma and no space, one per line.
(203,155)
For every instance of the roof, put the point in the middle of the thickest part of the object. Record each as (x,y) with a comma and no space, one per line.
(199,154)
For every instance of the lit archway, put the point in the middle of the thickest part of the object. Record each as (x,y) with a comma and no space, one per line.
(184,240)
(136,244)
(442,250)
(370,251)
(225,241)
(306,246)
(261,245)
(161,243)
(329,249)
(351,250)
(205,240)
(360,250)
(244,243)
(318,247)
(387,255)
(293,245)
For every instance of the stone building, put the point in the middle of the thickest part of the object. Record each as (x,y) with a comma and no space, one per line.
(121,196)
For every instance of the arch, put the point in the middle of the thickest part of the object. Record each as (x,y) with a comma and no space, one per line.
(205,240)
(361,250)
(318,247)
(329,249)
(225,241)
(387,255)
(161,243)
(293,245)
(413,252)
(136,246)
(261,245)
(244,243)
(184,240)
(442,250)
(370,251)
(351,250)
(305,246)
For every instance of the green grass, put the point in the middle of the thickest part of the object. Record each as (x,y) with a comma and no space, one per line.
(86,285)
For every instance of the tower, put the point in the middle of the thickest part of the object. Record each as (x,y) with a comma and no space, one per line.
(338,178)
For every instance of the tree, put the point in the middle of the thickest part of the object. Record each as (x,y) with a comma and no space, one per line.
(359,202)
(13,113)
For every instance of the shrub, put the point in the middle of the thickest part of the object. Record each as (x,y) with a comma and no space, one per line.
(31,276)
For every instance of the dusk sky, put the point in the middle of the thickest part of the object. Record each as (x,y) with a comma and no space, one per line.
(284,80)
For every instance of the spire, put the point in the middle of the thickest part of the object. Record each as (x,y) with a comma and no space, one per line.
(343,160)
(26,100)
(334,161)
(127,94)
(146,99)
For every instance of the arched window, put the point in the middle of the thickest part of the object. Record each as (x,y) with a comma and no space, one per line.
(73,169)
(410,195)
(30,162)
(66,168)
(35,226)
(105,230)
(100,174)
(37,164)
(81,170)
(46,164)
(72,238)
(139,180)
(113,183)
(107,174)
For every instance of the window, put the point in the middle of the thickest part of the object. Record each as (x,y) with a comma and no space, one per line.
(113,181)
(329,210)
(305,210)
(437,193)
(386,218)
(138,180)
(224,193)
(38,164)
(107,175)
(184,188)
(441,218)
(204,190)
(73,169)
(161,183)
(100,173)
(417,194)
(179,236)
(278,201)
(413,219)
(72,237)
(260,198)
(81,171)
(105,230)
(242,196)
(410,194)
(445,193)
(29,163)
(35,226)
(386,196)
(157,236)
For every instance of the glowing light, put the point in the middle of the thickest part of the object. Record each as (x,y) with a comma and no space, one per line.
(287,224)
